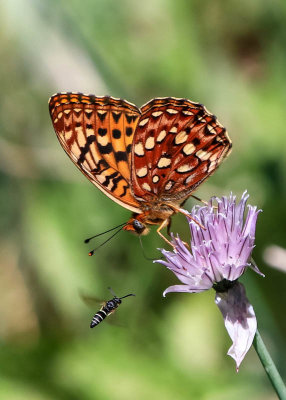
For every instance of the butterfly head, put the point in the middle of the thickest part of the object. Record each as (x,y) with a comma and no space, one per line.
(136,225)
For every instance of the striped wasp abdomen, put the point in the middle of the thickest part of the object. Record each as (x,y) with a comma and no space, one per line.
(107,308)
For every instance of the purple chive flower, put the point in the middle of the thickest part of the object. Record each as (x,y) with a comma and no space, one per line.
(218,256)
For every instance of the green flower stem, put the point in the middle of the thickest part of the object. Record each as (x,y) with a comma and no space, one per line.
(269,366)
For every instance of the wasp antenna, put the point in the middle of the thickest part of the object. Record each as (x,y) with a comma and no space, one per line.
(91,253)
(131,294)
(103,233)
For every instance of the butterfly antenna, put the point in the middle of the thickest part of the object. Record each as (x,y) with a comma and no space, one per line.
(91,253)
(102,233)
(143,251)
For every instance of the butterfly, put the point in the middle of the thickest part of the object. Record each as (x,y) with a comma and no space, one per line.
(149,159)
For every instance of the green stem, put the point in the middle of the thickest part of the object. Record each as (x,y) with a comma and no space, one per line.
(269,366)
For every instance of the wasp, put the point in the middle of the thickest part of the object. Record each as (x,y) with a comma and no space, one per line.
(107,308)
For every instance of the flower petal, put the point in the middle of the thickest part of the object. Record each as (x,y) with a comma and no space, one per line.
(250,223)
(239,319)
(255,267)
(184,289)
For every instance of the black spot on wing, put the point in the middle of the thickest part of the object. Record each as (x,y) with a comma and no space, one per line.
(101,116)
(108,178)
(102,131)
(88,115)
(101,166)
(131,118)
(107,149)
(120,156)
(77,113)
(129,131)
(116,116)
(115,183)
(116,133)
(85,149)
(125,187)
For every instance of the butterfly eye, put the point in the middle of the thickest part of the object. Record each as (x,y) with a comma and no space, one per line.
(138,226)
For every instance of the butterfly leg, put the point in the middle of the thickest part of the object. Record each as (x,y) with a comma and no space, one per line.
(168,224)
(163,225)
(169,227)
(202,201)
(186,214)
(191,218)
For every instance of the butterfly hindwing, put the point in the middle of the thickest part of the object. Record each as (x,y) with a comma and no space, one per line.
(177,145)
(97,134)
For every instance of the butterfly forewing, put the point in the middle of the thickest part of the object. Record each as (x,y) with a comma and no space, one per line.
(97,134)
(177,145)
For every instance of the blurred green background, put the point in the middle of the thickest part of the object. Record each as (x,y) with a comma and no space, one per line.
(230,56)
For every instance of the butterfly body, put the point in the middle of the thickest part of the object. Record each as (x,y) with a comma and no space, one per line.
(149,160)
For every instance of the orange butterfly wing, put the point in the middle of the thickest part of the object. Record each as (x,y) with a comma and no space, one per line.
(177,145)
(97,134)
